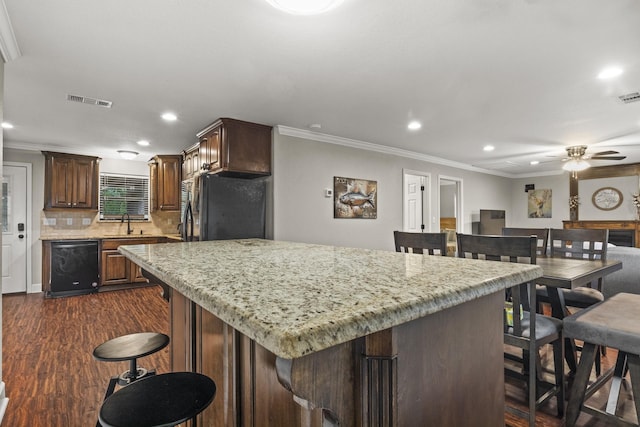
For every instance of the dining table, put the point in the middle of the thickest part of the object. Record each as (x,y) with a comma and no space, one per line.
(570,273)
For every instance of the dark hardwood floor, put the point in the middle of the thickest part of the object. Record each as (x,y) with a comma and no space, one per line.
(51,377)
(53,381)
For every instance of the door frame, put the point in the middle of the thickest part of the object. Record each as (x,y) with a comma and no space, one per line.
(30,226)
(459,207)
(426,204)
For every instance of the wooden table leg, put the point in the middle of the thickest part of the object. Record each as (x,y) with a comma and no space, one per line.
(618,375)
(559,311)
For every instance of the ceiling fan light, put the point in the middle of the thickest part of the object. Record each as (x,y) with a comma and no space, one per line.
(305,7)
(576,165)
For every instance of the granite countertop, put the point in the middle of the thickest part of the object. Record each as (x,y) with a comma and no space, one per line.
(296,298)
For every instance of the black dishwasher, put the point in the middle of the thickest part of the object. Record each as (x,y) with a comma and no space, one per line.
(74,267)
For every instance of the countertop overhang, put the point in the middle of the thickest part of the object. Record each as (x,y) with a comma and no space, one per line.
(295,298)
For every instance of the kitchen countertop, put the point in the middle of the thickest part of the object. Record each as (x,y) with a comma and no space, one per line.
(98,236)
(296,298)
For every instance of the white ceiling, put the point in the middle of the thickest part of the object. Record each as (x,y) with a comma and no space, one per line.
(517,74)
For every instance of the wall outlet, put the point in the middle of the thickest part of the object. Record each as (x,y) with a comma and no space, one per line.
(69,221)
(86,221)
(48,221)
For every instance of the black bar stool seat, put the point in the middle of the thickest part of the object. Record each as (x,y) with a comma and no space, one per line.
(161,400)
(130,347)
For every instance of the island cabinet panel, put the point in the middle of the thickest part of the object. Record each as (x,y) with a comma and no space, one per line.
(71,181)
(444,369)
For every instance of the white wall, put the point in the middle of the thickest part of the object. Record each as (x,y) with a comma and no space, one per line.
(517,215)
(304,168)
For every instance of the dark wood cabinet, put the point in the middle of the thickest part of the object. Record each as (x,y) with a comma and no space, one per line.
(165,175)
(236,148)
(115,268)
(191,161)
(71,181)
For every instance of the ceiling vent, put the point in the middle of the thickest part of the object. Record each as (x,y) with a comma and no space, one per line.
(90,101)
(630,97)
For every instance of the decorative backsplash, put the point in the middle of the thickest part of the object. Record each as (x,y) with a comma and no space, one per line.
(79,224)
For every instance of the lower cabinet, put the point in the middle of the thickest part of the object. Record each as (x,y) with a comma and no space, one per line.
(116,268)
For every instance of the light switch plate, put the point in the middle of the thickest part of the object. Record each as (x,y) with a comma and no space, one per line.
(69,221)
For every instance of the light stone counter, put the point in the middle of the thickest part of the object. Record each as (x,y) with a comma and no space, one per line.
(295,299)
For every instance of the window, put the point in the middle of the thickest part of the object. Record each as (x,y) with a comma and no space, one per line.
(120,194)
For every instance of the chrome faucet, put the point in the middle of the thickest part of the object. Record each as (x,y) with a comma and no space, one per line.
(129,229)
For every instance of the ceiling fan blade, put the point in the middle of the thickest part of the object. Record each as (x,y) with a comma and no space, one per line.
(608,158)
(605,153)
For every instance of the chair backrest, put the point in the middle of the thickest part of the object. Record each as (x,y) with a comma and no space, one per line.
(542,234)
(521,249)
(420,242)
(579,243)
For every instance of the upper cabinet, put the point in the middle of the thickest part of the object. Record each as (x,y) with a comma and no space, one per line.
(71,181)
(191,161)
(164,181)
(236,148)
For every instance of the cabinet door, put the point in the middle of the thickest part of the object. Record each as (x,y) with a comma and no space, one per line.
(83,184)
(153,185)
(61,183)
(136,274)
(115,268)
(187,165)
(210,148)
(168,185)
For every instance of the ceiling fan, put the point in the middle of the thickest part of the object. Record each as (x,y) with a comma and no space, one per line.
(577,160)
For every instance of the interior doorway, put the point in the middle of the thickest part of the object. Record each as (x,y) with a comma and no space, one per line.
(450,203)
(416,205)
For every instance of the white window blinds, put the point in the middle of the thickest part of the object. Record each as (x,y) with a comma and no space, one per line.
(120,194)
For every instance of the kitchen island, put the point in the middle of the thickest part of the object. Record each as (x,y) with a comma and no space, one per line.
(301,334)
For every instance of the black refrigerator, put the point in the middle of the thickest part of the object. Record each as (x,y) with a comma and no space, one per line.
(230,208)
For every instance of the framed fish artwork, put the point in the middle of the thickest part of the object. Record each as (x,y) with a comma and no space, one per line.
(354,198)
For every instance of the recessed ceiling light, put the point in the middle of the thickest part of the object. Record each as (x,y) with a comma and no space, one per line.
(128,154)
(170,117)
(534,162)
(609,73)
(307,7)
(488,148)
(143,142)
(414,125)
(7,125)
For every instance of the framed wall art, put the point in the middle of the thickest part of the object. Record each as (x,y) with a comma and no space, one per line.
(539,203)
(354,198)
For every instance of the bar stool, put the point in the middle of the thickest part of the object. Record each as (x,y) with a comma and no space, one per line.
(613,323)
(160,400)
(130,347)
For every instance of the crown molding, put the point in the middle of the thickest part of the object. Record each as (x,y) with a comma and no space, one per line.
(361,145)
(9,48)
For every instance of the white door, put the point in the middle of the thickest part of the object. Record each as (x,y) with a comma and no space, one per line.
(414,203)
(14,229)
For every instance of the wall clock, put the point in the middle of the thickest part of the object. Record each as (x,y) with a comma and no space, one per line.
(607,198)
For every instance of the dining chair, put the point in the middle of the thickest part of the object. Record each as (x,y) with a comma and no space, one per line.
(417,243)
(542,236)
(519,331)
(580,243)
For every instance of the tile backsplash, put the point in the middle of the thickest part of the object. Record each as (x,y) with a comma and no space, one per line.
(87,223)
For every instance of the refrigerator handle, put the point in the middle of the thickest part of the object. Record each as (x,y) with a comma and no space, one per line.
(190,212)
(185,222)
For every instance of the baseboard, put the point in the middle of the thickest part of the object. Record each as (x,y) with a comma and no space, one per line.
(35,288)
(4,401)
